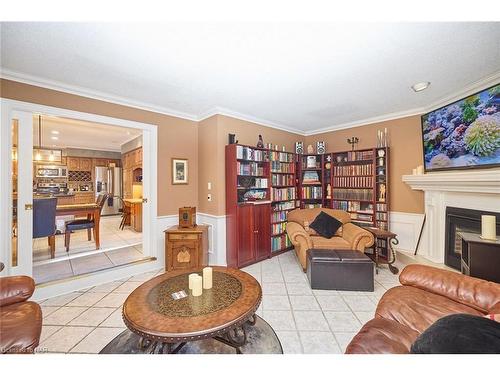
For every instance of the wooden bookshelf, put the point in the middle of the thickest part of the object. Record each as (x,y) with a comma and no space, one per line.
(310,180)
(283,168)
(358,180)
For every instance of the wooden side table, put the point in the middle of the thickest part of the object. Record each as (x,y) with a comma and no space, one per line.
(384,242)
(480,258)
(186,248)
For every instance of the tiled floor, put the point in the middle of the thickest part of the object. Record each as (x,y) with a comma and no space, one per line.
(306,321)
(127,245)
(111,236)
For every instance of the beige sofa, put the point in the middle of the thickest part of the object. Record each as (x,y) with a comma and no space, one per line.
(303,238)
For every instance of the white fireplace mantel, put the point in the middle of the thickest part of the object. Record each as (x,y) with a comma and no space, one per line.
(475,190)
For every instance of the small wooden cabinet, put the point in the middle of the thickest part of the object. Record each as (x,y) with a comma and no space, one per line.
(79,164)
(186,248)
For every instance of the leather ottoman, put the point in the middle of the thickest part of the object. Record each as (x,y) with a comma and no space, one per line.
(339,270)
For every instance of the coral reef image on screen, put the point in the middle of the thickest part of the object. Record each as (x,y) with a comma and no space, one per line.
(465,133)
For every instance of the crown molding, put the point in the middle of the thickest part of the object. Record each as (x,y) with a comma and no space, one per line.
(92,94)
(470,89)
(241,116)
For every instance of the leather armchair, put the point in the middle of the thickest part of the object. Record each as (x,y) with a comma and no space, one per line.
(20,319)
(349,236)
(426,295)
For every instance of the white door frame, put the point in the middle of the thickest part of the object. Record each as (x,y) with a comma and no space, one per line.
(10,108)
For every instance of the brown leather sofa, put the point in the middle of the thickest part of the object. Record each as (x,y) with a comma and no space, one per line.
(426,294)
(349,236)
(20,319)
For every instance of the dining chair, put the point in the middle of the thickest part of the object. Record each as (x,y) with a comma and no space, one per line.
(88,223)
(44,221)
(126,212)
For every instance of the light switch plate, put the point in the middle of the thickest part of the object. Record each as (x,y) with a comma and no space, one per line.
(209,186)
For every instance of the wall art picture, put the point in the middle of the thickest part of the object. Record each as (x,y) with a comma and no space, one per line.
(464,134)
(179,171)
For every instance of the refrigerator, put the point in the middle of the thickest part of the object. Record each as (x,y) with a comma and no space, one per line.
(109,180)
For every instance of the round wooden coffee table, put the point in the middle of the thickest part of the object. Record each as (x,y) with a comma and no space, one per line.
(222,312)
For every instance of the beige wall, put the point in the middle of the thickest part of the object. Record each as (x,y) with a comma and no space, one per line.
(213,137)
(203,144)
(176,137)
(405,154)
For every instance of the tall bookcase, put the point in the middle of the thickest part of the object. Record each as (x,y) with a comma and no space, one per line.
(359,185)
(311,181)
(284,197)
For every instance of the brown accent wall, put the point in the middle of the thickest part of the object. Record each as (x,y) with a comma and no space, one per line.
(176,137)
(405,154)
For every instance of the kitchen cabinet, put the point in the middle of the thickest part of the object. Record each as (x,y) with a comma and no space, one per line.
(85,164)
(79,164)
(131,161)
(101,162)
(73,164)
(127,183)
(84,198)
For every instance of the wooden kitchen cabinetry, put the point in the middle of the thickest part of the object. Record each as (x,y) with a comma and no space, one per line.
(131,161)
(79,164)
(186,248)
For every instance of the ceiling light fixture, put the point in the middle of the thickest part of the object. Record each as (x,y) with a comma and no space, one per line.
(421,86)
(55,132)
(54,138)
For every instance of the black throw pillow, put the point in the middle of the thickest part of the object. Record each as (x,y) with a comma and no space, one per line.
(459,334)
(325,225)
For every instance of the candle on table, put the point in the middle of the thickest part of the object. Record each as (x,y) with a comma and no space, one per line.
(191,279)
(197,286)
(207,278)
(488,227)
(420,169)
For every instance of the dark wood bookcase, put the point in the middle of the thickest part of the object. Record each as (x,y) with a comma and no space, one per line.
(263,185)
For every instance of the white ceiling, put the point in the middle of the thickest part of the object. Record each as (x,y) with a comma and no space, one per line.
(72,133)
(302,77)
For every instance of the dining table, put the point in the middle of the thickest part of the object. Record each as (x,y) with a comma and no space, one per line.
(89,210)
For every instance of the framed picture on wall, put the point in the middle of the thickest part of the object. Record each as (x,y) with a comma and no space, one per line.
(179,171)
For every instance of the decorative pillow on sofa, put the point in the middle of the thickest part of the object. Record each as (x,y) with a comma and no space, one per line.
(325,225)
(459,334)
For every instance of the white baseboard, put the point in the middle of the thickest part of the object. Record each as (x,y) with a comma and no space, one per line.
(407,226)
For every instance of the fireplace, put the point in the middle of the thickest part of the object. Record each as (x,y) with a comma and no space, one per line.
(461,220)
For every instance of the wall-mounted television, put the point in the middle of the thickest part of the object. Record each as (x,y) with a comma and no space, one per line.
(463,134)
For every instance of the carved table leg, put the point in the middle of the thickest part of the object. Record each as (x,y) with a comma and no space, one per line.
(236,337)
(392,241)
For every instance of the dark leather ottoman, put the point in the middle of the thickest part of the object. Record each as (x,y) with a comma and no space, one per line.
(339,270)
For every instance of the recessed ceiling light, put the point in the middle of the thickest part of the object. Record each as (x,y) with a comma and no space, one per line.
(55,132)
(54,138)
(421,86)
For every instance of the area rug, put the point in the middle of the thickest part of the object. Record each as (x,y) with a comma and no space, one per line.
(261,339)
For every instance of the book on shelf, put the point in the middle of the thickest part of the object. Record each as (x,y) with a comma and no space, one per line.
(353,182)
(286,206)
(313,205)
(353,170)
(280,243)
(251,154)
(285,157)
(358,194)
(255,183)
(283,194)
(282,180)
(310,177)
(278,228)
(363,207)
(312,192)
(249,169)
(360,155)
(280,167)
(279,216)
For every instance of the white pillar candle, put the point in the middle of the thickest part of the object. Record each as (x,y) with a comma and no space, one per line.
(488,227)
(420,169)
(191,279)
(197,286)
(207,278)
(414,171)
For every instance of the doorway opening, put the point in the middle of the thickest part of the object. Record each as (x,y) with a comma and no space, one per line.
(87,197)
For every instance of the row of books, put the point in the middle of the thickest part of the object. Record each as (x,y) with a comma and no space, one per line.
(353,182)
(283,194)
(282,156)
(358,194)
(381,216)
(279,216)
(353,170)
(359,155)
(248,153)
(382,225)
(312,192)
(364,217)
(257,183)
(282,180)
(311,205)
(249,169)
(381,206)
(280,243)
(278,228)
(278,166)
(353,206)
(286,205)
